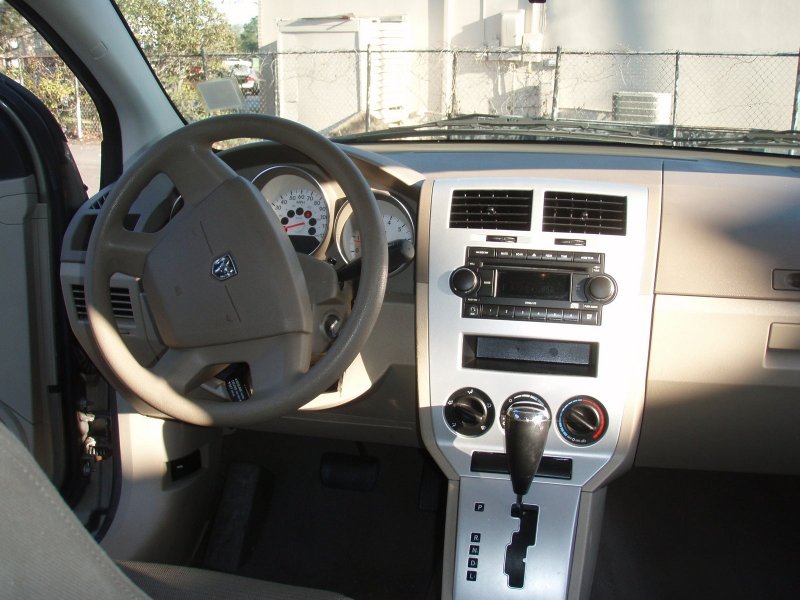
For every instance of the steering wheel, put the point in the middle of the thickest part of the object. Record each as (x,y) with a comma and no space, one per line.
(222,281)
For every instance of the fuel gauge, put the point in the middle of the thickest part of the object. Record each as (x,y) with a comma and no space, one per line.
(397,223)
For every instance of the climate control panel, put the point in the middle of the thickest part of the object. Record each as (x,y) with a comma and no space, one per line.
(581,420)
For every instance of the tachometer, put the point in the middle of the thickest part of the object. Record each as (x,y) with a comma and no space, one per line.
(397,224)
(300,204)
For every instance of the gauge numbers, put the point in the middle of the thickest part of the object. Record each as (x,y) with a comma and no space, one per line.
(304,217)
(300,204)
(397,224)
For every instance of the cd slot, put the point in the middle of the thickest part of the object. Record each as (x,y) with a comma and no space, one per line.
(550,357)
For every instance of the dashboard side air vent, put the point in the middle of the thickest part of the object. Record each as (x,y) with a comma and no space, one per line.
(79,299)
(98,202)
(569,212)
(120,303)
(491,209)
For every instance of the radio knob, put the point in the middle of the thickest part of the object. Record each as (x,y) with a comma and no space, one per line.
(463,281)
(601,289)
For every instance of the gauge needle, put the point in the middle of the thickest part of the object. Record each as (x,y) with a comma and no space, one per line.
(288,227)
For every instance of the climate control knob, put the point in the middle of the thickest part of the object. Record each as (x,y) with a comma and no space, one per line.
(463,281)
(469,412)
(524,398)
(600,288)
(582,420)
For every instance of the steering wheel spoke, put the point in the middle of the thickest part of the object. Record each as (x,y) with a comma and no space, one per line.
(277,362)
(198,175)
(184,370)
(128,251)
(273,363)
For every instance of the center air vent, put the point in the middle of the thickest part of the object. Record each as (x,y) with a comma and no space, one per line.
(568,212)
(491,209)
(120,303)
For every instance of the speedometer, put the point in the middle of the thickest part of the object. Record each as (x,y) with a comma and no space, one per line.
(300,204)
(397,224)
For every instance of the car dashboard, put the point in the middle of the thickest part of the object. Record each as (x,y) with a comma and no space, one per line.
(647,297)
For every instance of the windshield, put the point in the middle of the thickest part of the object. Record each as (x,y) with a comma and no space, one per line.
(682,73)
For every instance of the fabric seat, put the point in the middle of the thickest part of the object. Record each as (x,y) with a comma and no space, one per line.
(47,553)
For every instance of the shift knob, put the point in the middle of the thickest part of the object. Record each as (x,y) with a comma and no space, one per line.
(527,424)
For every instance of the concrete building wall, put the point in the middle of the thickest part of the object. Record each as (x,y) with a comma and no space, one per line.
(713,91)
(644,25)
(664,25)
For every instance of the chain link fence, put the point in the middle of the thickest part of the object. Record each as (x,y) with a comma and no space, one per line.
(55,85)
(339,92)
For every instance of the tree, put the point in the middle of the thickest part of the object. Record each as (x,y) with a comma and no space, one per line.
(180,39)
(29,60)
(13,28)
(248,38)
(164,27)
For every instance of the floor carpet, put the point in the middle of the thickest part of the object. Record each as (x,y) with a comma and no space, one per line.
(677,534)
(377,544)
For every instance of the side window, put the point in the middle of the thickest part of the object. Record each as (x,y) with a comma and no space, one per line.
(28,59)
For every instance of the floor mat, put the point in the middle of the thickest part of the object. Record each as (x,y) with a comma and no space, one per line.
(676,534)
(375,544)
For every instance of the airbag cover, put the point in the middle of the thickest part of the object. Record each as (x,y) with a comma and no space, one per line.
(225,272)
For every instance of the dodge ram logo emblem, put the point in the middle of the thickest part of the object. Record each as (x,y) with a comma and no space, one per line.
(223,268)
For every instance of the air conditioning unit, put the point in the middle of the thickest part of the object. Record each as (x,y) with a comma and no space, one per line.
(512,27)
(641,107)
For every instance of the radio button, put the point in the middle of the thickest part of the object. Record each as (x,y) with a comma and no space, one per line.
(587,257)
(506,312)
(481,252)
(489,311)
(589,317)
(503,253)
(472,311)
(522,313)
(486,279)
(572,316)
(539,314)
(555,314)
(564,256)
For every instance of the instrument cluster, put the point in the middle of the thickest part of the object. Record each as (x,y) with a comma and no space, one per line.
(321,224)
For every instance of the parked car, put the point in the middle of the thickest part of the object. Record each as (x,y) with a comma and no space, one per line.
(549,354)
(246,76)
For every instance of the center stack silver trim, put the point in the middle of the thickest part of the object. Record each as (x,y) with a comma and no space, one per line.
(623,340)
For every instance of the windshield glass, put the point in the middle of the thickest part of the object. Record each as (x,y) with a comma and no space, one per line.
(689,73)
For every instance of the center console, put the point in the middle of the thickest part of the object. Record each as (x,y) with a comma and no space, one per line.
(531,291)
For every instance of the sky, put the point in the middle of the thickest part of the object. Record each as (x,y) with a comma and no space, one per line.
(238,11)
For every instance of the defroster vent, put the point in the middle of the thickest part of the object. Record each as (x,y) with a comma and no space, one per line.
(568,212)
(491,209)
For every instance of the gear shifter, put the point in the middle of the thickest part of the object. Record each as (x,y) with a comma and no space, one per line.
(527,424)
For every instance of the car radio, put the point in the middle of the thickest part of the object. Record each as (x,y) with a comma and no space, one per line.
(533,285)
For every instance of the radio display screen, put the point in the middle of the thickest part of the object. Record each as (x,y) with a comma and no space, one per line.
(539,285)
